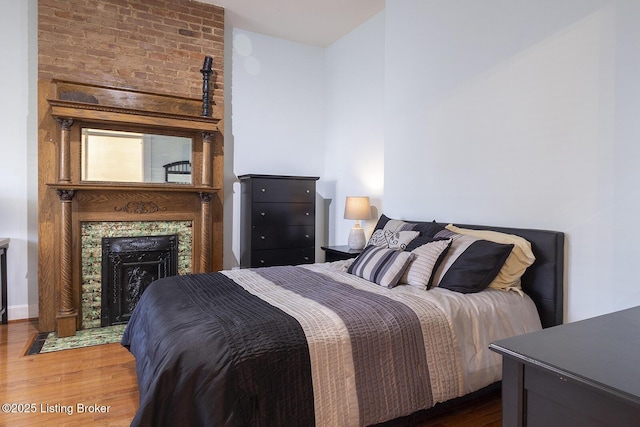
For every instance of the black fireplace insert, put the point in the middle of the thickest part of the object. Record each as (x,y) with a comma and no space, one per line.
(129,265)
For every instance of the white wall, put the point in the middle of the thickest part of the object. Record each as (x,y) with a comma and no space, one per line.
(354,143)
(277,102)
(303,110)
(277,119)
(18,145)
(522,114)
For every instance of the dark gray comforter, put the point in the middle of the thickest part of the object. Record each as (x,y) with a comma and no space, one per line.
(209,353)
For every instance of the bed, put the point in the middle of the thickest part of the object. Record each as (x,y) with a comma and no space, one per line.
(323,344)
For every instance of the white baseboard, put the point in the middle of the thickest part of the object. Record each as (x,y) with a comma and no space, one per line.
(20,312)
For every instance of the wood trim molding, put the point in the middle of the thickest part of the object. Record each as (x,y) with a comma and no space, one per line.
(91,112)
(89,186)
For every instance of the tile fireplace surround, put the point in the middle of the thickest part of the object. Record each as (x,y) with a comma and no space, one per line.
(91,236)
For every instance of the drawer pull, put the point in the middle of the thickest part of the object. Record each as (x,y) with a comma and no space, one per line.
(307,213)
(306,258)
(264,190)
(308,191)
(262,238)
(306,236)
(262,214)
(261,261)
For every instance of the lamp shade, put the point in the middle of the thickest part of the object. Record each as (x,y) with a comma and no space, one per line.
(357,208)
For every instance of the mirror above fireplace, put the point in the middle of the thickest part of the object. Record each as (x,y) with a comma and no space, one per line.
(118,156)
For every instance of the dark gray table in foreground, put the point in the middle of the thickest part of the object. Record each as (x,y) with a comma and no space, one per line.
(584,373)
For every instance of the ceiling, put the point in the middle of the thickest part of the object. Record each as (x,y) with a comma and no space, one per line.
(313,22)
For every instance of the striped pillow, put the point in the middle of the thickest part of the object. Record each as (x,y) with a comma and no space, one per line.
(381,265)
(428,257)
(397,225)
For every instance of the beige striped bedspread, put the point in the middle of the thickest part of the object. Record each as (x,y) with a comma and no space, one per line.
(368,370)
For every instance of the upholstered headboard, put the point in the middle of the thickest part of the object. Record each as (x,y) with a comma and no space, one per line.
(544,280)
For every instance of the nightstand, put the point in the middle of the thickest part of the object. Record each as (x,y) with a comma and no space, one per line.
(339,253)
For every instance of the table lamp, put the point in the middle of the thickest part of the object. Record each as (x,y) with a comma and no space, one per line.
(357,208)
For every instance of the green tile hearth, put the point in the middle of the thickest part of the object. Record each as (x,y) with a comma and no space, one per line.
(83,338)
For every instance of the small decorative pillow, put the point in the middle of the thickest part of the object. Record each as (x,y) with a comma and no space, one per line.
(381,265)
(392,239)
(428,257)
(470,264)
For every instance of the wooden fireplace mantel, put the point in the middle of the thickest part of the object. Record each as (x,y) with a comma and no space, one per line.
(66,200)
(150,187)
(96,112)
(104,103)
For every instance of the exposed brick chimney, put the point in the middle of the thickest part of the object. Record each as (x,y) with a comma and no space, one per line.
(149,45)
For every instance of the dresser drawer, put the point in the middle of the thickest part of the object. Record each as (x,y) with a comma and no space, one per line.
(269,214)
(282,190)
(297,236)
(270,257)
(552,399)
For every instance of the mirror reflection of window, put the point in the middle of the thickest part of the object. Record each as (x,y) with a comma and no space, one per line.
(118,156)
(112,156)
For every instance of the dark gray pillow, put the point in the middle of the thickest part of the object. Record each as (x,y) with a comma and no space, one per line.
(470,264)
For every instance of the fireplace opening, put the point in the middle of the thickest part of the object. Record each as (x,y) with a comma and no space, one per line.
(129,265)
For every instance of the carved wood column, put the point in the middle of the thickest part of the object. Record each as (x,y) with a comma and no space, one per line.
(206,159)
(64,170)
(67,313)
(205,236)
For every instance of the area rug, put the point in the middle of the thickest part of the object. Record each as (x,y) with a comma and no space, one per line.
(48,342)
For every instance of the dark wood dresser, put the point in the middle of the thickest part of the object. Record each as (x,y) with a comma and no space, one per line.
(584,373)
(278,217)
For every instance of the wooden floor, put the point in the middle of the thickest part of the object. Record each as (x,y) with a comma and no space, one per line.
(103,377)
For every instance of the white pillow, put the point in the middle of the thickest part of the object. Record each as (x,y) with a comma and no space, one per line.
(392,239)
(520,258)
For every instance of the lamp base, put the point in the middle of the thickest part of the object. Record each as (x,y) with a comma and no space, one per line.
(356,237)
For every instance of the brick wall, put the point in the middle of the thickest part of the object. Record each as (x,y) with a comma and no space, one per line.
(150,45)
